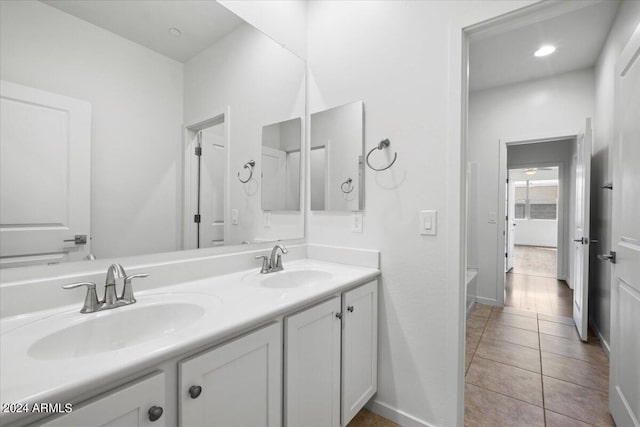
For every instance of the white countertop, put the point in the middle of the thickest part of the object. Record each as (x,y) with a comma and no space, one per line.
(234,303)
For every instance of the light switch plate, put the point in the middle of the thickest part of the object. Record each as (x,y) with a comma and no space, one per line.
(234,216)
(356,222)
(266,218)
(428,223)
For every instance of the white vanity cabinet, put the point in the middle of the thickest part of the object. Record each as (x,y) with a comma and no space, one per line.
(359,348)
(331,359)
(140,404)
(238,383)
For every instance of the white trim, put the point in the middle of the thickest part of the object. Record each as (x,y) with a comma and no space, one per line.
(603,342)
(396,415)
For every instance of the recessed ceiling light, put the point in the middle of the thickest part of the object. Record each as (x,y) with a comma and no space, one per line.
(175,32)
(531,171)
(545,50)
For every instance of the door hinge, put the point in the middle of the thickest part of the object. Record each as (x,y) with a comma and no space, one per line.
(506,254)
(196,218)
(507,180)
(198,151)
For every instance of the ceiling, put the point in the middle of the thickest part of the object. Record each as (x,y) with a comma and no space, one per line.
(578,31)
(541,173)
(147,22)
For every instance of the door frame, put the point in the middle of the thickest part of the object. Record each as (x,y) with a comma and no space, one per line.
(190,171)
(562,270)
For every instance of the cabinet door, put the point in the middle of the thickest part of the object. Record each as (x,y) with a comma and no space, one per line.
(312,361)
(240,383)
(359,348)
(129,406)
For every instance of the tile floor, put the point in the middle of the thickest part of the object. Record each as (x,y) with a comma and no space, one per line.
(535,260)
(366,418)
(528,369)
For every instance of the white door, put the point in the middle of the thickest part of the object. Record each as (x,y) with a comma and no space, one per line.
(581,232)
(624,375)
(238,384)
(511,223)
(212,185)
(274,179)
(359,348)
(312,366)
(45,149)
(137,405)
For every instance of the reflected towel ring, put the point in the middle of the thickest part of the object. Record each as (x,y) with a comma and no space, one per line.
(249,165)
(383,144)
(348,184)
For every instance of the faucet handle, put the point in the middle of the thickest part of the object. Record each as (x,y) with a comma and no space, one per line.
(91,302)
(127,289)
(265,263)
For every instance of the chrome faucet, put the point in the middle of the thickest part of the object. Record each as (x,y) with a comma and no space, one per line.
(273,263)
(111,299)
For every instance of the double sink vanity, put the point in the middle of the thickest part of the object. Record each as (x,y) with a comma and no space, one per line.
(292,343)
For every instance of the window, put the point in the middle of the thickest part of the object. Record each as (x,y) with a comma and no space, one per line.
(536,199)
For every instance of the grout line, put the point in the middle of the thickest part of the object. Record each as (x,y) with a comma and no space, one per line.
(544,407)
(505,395)
(572,418)
(512,366)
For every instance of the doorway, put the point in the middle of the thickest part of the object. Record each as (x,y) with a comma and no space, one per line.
(206,163)
(525,361)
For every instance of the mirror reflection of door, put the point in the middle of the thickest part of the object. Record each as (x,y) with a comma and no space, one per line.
(212,184)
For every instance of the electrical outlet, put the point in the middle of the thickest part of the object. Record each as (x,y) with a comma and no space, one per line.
(266,219)
(356,222)
(234,216)
(492,217)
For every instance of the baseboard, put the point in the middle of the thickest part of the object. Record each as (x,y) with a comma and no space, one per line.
(487,301)
(603,342)
(470,307)
(396,415)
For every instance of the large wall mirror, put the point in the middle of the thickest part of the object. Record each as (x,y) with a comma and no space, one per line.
(131,128)
(336,158)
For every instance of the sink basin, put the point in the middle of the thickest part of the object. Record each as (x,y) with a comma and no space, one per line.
(295,278)
(117,329)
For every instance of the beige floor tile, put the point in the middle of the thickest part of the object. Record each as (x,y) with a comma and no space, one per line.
(576,371)
(515,321)
(557,420)
(366,418)
(556,319)
(471,343)
(513,335)
(578,402)
(510,354)
(515,311)
(484,408)
(559,330)
(508,380)
(476,325)
(589,352)
(481,310)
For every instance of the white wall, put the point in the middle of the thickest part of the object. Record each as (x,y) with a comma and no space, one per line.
(545,107)
(283,20)
(136,98)
(536,232)
(262,83)
(602,164)
(394,56)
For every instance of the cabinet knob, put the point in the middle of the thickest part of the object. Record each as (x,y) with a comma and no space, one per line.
(155,412)
(339,315)
(194,391)
(350,308)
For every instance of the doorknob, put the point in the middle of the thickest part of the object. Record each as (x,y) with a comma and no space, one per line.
(611,257)
(78,239)
(582,240)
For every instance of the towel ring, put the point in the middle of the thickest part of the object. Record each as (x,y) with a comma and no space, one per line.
(249,165)
(383,144)
(348,184)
